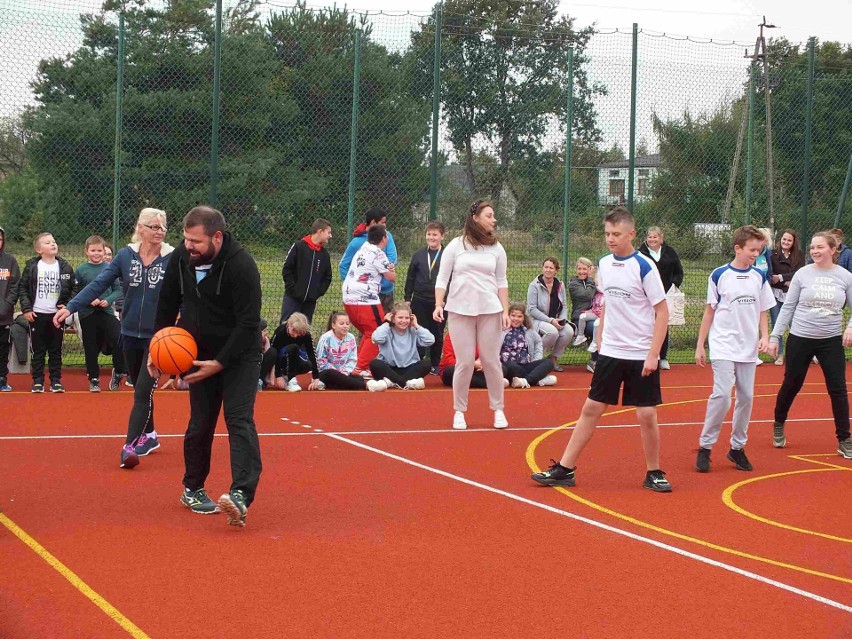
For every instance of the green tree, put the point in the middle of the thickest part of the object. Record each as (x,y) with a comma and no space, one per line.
(504,80)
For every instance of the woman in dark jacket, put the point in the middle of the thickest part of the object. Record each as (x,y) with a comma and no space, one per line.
(671,272)
(786,260)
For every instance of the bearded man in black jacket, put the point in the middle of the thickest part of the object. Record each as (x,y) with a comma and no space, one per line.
(215,284)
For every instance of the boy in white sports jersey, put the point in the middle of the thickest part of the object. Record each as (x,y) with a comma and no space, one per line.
(738,297)
(632,329)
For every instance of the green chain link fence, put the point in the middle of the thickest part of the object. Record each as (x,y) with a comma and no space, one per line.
(106,109)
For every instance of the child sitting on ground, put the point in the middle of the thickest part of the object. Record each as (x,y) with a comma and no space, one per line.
(294,355)
(447,367)
(399,362)
(337,355)
(522,352)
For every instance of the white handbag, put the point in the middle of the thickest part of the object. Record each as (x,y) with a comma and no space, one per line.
(676,300)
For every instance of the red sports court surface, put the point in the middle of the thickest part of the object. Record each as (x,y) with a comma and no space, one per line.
(375,519)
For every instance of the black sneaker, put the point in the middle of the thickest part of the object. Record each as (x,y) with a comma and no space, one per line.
(434,370)
(556,475)
(38,387)
(198,501)
(656,480)
(115,380)
(94,386)
(234,505)
(702,463)
(778,439)
(740,459)
(56,387)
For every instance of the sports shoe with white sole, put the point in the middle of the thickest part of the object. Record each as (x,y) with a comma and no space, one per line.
(129,458)
(656,480)
(664,365)
(550,380)
(293,386)
(415,384)
(376,385)
(146,445)
(459,422)
(500,420)
(844,448)
(233,505)
(778,438)
(198,501)
(520,382)
(556,475)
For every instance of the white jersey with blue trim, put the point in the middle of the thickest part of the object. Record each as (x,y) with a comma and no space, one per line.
(632,287)
(738,297)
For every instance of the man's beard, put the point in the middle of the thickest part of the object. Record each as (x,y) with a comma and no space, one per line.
(203,258)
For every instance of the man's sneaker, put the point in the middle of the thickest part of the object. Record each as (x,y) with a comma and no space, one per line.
(500,420)
(702,462)
(556,475)
(115,380)
(145,445)
(94,386)
(656,480)
(293,385)
(520,382)
(459,422)
(591,366)
(129,458)
(415,384)
(376,385)
(38,387)
(56,387)
(435,370)
(198,501)
(127,382)
(740,459)
(778,439)
(579,340)
(844,448)
(550,380)
(234,505)
(664,365)
(4,385)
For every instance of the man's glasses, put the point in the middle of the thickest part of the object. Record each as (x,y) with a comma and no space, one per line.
(155,227)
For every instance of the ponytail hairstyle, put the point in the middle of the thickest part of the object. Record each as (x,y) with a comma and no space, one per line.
(521,308)
(333,318)
(473,231)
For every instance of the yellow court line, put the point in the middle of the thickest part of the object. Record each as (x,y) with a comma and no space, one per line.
(79,584)
(727,498)
(530,458)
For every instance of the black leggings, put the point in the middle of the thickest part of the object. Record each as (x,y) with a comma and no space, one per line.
(832,360)
(476,381)
(335,380)
(381,369)
(99,328)
(142,414)
(288,364)
(534,372)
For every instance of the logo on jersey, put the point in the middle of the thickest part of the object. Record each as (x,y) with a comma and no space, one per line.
(744,299)
(618,292)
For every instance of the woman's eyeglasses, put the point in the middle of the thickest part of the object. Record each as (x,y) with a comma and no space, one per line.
(155,227)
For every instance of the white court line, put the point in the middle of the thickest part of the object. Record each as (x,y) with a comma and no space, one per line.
(564,513)
(431,431)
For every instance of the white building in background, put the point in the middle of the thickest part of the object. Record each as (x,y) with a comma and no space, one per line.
(613,178)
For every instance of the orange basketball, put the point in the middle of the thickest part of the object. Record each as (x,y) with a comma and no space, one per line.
(173,350)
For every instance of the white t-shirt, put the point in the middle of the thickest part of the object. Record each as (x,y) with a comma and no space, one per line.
(364,279)
(477,274)
(47,288)
(632,287)
(738,297)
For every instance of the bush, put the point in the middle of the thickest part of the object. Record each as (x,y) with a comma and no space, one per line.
(691,246)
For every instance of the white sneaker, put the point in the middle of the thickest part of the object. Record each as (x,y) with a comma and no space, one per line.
(520,382)
(505,383)
(593,347)
(376,385)
(293,386)
(580,340)
(759,362)
(458,421)
(550,380)
(390,384)
(664,365)
(366,374)
(500,420)
(415,384)
(320,385)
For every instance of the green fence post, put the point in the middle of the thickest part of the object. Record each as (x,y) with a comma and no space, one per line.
(119,94)
(353,141)
(436,111)
(632,155)
(809,121)
(214,136)
(843,194)
(750,142)
(569,131)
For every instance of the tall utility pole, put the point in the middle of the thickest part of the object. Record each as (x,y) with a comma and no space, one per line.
(770,163)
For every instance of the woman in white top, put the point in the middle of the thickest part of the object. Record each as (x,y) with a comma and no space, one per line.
(478,307)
